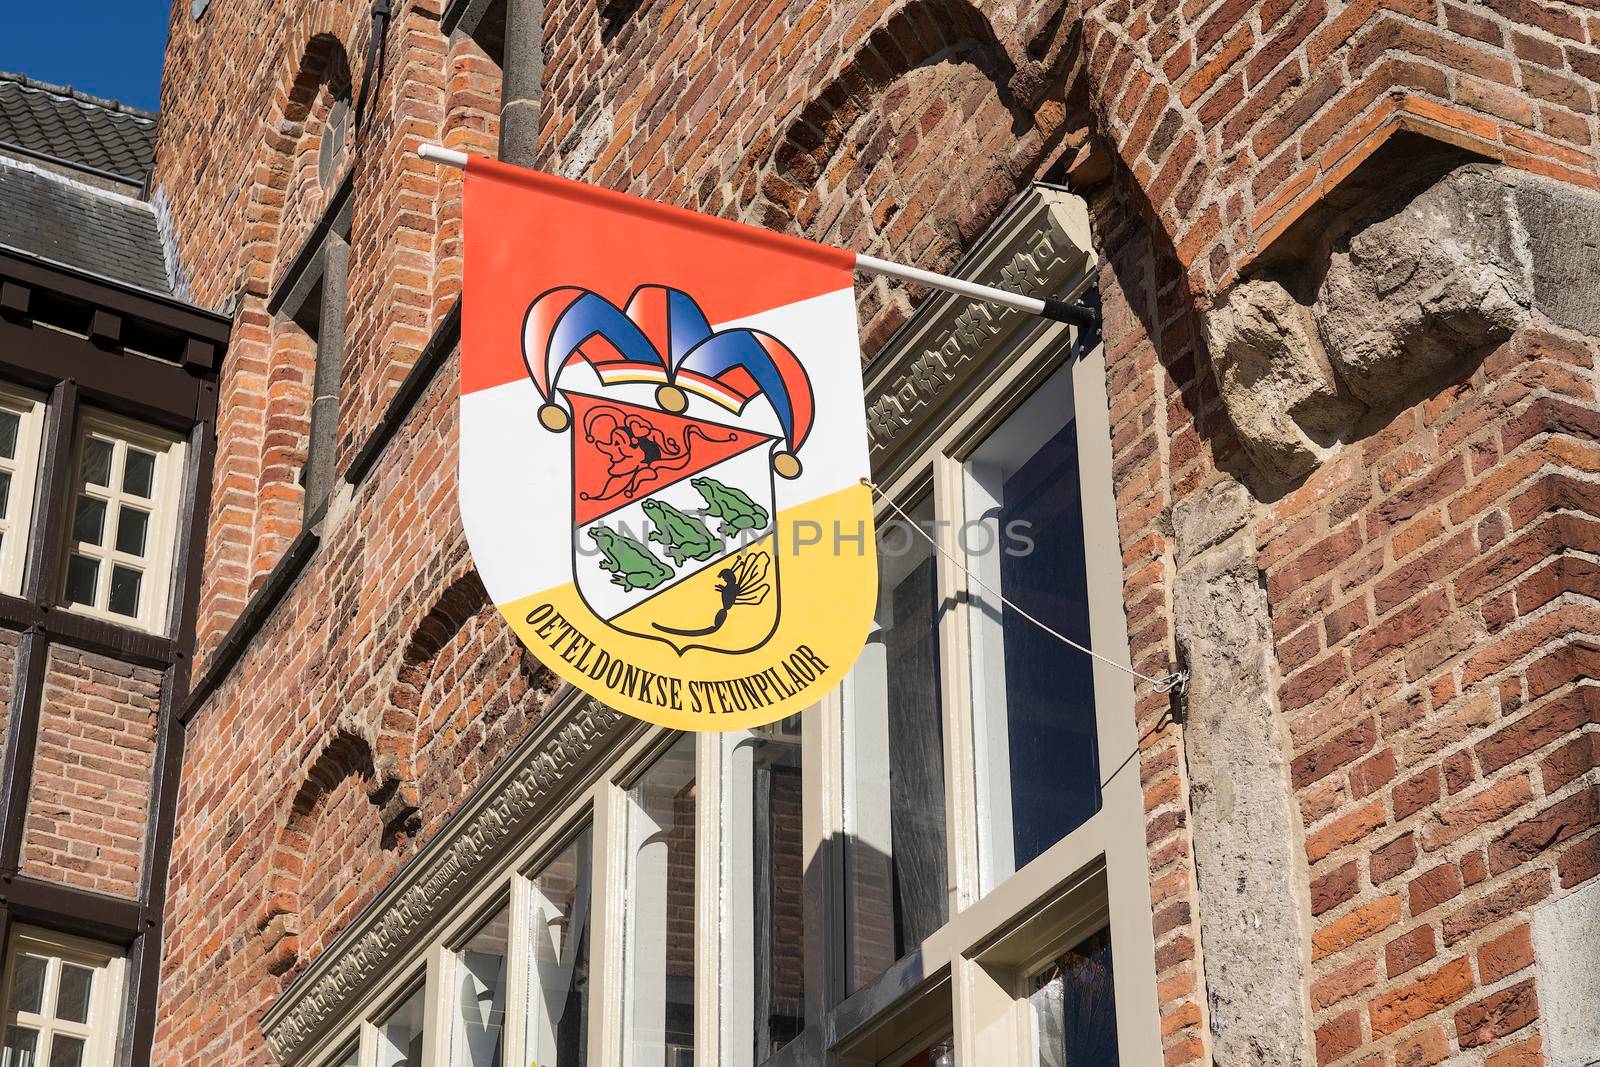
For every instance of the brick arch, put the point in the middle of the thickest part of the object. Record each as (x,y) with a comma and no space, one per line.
(462,601)
(866,162)
(347,755)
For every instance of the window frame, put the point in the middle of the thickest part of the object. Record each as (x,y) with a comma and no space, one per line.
(30,408)
(990,1021)
(165,503)
(101,1031)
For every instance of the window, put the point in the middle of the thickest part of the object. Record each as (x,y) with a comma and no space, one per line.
(62,1001)
(400,1034)
(896,885)
(1034,742)
(480,1018)
(764,869)
(659,940)
(1072,1007)
(315,297)
(21,417)
(120,539)
(558,962)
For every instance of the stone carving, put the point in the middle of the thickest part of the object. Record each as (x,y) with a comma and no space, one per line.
(1275,378)
(428,884)
(1413,298)
(1037,249)
(1408,299)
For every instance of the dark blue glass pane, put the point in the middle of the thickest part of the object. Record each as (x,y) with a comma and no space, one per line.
(1055,761)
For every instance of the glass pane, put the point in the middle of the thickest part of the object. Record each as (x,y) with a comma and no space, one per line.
(132,525)
(763,910)
(66,1051)
(22,1042)
(400,1035)
(1033,700)
(10,425)
(27,984)
(89,522)
(1074,1009)
(558,962)
(72,999)
(5,493)
(896,888)
(125,582)
(659,939)
(481,996)
(352,1060)
(82,574)
(138,472)
(97,461)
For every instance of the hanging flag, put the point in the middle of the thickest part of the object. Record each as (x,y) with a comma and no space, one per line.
(663,443)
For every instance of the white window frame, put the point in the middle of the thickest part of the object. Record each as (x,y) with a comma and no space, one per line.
(105,997)
(989,999)
(17,524)
(164,504)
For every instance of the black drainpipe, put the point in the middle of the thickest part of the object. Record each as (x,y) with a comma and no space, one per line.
(377,50)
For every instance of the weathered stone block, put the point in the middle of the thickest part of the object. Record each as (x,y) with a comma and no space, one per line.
(1275,378)
(1414,297)
(1253,920)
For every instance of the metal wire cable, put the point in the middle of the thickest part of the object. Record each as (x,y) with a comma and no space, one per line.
(1164,684)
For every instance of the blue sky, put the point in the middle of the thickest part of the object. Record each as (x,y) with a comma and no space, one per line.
(109,48)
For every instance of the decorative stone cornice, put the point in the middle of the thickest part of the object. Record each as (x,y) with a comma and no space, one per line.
(1040,246)
(520,790)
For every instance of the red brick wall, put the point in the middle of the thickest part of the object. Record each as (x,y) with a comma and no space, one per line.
(1233,115)
(1435,639)
(91,774)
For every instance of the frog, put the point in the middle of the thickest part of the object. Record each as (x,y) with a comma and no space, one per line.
(684,536)
(733,506)
(632,565)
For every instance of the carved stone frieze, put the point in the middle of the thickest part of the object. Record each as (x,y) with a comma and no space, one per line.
(422,891)
(1039,247)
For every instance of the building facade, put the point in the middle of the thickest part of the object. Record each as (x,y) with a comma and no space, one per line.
(1331,450)
(108,385)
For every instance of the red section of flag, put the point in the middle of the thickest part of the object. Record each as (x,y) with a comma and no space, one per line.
(528,232)
(623,453)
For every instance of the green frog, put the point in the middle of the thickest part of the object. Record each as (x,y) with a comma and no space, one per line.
(733,506)
(684,536)
(632,565)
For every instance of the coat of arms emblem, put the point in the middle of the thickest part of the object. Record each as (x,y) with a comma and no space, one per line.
(673,515)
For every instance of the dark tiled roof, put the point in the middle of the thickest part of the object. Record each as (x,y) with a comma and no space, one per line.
(77,225)
(64,124)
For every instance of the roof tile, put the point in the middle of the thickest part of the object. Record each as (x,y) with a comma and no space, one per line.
(76,128)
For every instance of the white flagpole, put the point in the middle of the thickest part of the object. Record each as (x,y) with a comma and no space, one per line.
(1059,310)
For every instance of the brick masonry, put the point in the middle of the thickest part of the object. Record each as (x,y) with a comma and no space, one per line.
(90,797)
(1431,586)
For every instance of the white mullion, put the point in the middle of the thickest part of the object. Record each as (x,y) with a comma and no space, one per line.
(607,968)
(519,917)
(821,780)
(710,954)
(367,1045)
(964,870)
(438,1006)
